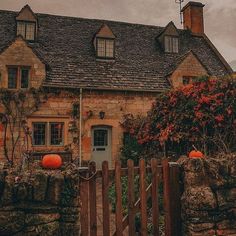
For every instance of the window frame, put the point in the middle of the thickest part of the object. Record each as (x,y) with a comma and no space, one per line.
(172,44)
(33,143)
(19,74)
(190,79)
(105,57)
(8,68)
(24,36)
(48,133)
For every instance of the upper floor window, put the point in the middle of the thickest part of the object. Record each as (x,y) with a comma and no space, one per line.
(171,44)
(188,79)
(105,48)
(18,77)
(26,30)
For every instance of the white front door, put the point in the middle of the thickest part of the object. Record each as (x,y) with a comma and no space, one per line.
(101,145)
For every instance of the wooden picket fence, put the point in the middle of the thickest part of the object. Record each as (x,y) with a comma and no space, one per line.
(167,174)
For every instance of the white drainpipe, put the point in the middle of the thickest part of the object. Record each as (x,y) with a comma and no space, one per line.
(80,127)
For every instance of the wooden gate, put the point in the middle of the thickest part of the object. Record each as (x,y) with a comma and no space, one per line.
(146,205)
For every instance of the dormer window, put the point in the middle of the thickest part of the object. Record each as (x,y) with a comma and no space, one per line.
(105,48)
(104,43)
(26,30)
(169,39)
(26,23)
(171,44)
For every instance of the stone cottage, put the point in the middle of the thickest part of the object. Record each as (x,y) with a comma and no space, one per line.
(95,71)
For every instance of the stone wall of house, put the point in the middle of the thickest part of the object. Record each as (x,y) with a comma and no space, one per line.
(20,54)
(209,196)
(190,67)
(58,108)
(115,105)
(39,202)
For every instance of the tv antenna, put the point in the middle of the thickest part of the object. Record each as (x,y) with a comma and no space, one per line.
(180,8)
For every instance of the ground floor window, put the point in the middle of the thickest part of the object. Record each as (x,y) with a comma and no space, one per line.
(48,133)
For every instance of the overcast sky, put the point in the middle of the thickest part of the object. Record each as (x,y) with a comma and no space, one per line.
(220,15)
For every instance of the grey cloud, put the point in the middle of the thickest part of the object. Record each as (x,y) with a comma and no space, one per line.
(220,15)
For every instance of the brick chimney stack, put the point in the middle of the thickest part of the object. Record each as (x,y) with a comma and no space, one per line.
(193,17)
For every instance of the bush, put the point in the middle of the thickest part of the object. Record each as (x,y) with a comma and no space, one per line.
(202,113)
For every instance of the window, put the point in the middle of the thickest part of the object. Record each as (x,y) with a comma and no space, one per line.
(18,77)
(100,137)
(56,133)
(39,134)
(171,44)
(48,133)
(105,48)
(26,30)
(188,79)
(12,78)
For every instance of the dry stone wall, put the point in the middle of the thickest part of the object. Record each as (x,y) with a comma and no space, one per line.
(39,202)
(209,196)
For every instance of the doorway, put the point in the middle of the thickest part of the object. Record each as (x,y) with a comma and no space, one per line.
(101,145)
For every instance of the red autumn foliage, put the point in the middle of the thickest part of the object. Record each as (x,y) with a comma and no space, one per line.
(203,113)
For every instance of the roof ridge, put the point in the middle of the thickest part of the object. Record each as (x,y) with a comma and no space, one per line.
(84,18)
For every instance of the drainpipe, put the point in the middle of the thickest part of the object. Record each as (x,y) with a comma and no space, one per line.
(80,127)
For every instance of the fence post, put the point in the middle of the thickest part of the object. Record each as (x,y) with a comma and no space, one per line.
(166,185)
(93,200)
(175,200)
(84,196)
(171,198)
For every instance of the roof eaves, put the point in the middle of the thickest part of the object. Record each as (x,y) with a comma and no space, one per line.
(107,89)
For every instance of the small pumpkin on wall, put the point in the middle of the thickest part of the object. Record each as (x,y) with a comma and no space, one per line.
(195,153)
(51,161)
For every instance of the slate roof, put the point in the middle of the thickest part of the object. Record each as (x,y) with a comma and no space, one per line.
(66,45)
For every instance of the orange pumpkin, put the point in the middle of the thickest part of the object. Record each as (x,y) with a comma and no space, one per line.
(51,161)
(196,154)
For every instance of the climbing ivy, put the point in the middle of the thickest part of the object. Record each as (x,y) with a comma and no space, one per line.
(15,106)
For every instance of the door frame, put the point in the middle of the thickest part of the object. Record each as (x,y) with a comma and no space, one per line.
(109,140)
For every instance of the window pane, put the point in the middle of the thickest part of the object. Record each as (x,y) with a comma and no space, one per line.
(39,133)
(24,78)
(167,44)
(186,80)
(30,30)
(100,137)
(109,48)
(56,133)
(171,44)
(101,48)
(12,78)
(21,29)
(175,45)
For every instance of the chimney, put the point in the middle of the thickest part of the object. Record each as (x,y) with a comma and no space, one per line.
(193,17)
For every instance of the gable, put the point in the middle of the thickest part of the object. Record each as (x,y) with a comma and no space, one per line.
(26,14)
(171,30)
(189,66)
(20,54)
(105,32)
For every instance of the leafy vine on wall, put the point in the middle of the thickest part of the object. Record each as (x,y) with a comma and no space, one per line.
(15,106)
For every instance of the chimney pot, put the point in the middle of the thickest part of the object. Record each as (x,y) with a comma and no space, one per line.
(193,17)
